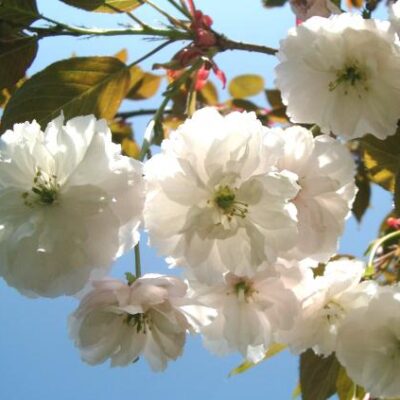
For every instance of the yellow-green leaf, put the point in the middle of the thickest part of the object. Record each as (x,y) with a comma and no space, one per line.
(272,351)
(105,6)
(382,159)
(15,58)
(122,55)
(208,94)
(318,376)
(120,130)
(76,86)
(146,87)
(245,86)
(296,392)
(130,148)
(346,388)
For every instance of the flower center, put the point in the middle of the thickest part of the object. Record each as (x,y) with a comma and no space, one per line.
(44,190)
(140,321)
(243,289)
(225,200)
(350,76)
(333,312)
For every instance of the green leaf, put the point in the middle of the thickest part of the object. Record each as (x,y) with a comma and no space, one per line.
(145,87)
(19,12)
(382,159)
(15,58)
(346,388)
(272,351)
(363,195)
(76,86)
(245,86)
(318,376)
(274,3)
(105,6)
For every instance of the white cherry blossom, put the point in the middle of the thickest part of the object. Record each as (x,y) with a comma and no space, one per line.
(324,171)
(214,200)
(69,205)
(250,311)
(120,322)
(325,307)
(369,344)
(343,74)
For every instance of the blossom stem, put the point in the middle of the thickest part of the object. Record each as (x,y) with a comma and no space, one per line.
(138,267)
(378,243)
(61,29)
(140,112)
(223,44)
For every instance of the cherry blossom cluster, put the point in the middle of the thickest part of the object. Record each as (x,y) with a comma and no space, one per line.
(246,211)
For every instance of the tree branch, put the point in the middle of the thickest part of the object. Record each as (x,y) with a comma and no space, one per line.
(223,44)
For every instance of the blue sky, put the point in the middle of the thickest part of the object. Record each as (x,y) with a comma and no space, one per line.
(38,361)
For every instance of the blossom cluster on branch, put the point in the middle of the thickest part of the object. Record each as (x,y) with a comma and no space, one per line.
(251,213)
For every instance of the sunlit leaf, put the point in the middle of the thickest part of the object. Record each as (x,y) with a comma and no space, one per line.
(272,351)
(354,3)
(19,12)
(130,148)
(382,159)
(296,392)
(76,86)
(245,86)
(15,58)
(120,130)
(105,6)
(208,94)
(145,87)
(346,388)
(318,376)
(122,55)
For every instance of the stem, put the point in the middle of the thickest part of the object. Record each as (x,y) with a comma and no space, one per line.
(223,44)
(138,268)
(378,243)
(150,53)
(180,8)
(170,18)
(138,113)
(157,117)
(61,29)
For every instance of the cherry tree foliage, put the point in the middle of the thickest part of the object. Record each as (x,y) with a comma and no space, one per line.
(247,202)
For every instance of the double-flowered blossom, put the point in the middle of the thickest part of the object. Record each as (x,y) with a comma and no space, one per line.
(324,170)
(343,74)
(69,204)
(215,200)
(369,344)
(121,322)
(324,308)
(250,312)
